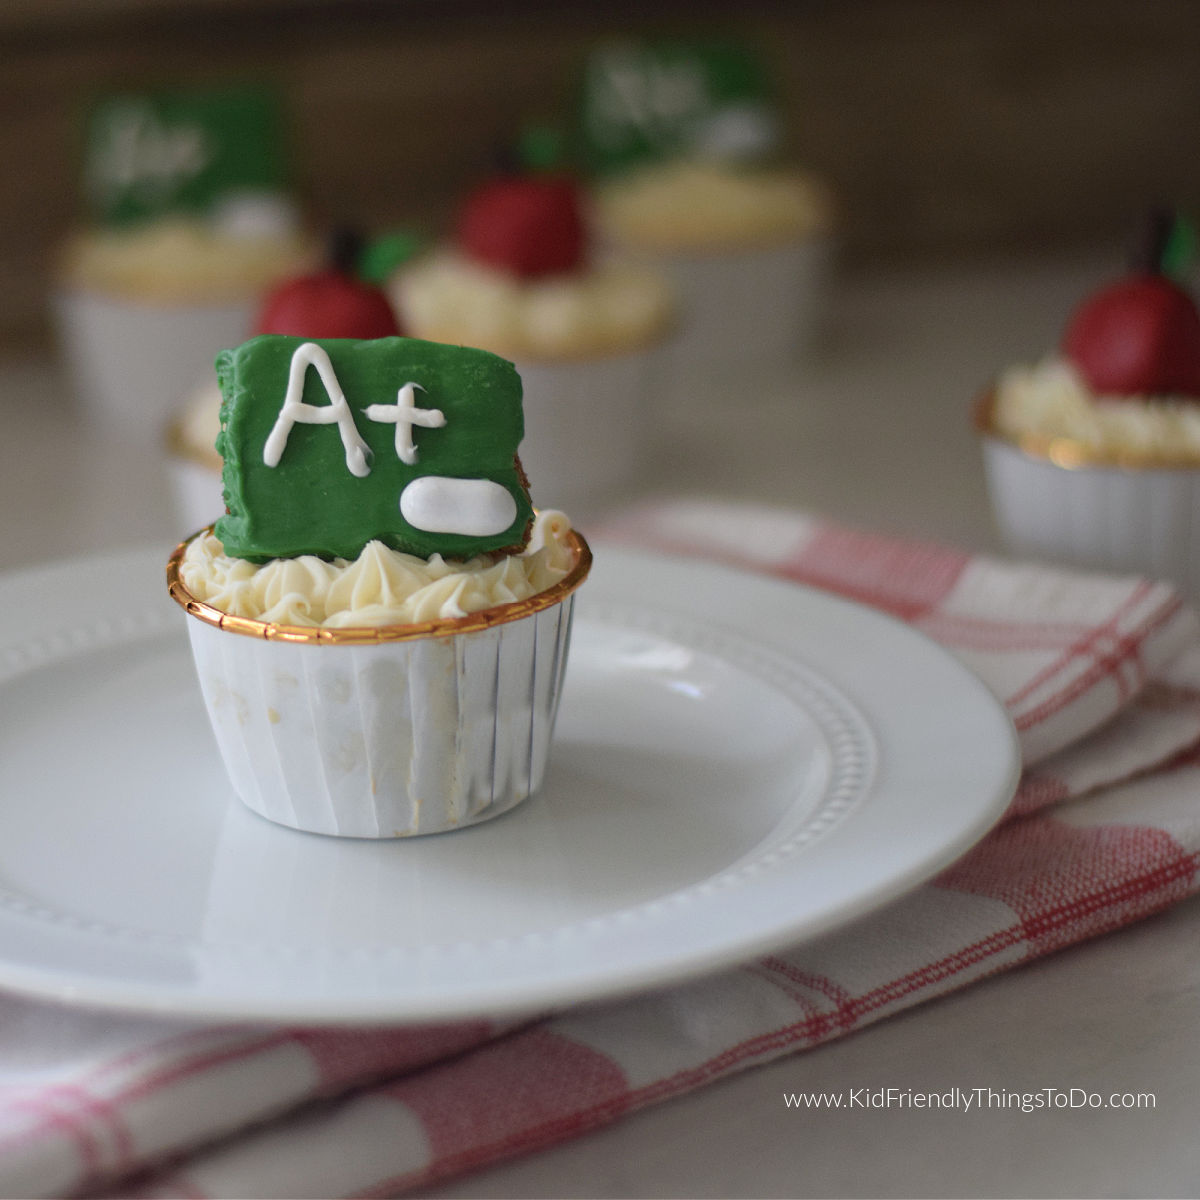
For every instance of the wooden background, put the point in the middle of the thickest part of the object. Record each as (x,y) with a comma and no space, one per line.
(947,127)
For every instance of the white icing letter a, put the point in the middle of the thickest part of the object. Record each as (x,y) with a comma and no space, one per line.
(294,410)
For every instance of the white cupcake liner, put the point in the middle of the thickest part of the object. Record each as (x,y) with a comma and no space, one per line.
(130,362)
(392,732)
(746,316)
(1142,520)
(587,426)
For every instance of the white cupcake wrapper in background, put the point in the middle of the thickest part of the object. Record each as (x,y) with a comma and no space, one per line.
(195,491)
(586,426)
(129,363)
(1143,520)
(386,739)
(745,316)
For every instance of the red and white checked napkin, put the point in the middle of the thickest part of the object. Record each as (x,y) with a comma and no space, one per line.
(1102,678)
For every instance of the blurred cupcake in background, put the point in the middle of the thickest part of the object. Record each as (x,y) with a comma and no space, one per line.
(337,300)
(192,459)
(1092,455)
(682,140)
(520,277)
(187,221)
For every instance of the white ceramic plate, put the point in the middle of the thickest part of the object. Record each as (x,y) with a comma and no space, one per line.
(740,764)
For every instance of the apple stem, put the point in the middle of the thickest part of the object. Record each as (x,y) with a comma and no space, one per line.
(345,251)
(1153,236)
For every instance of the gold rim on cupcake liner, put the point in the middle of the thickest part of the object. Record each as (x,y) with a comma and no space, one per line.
(319,635)
(1070,453)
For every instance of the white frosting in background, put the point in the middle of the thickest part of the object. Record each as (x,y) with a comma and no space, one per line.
(738,133)
(185,259)
(380,587)
(250,214)
(607,308)
(711,206)
(1051,400)
(197,424)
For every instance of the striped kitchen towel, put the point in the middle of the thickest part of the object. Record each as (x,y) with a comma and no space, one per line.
(1102,678)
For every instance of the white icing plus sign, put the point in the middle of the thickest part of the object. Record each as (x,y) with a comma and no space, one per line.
(404,414)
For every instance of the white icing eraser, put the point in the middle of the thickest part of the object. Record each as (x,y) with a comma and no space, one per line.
(472,507)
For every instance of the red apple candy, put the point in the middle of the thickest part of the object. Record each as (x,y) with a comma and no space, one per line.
(526,225)
(1137,337)
(328,304)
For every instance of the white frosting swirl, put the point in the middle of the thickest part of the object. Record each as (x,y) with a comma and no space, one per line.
(185,260)
(196,425)
(1051,400)
(709,206)
(380,587)
(607,308)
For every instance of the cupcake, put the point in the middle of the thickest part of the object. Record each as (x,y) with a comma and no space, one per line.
(187,221)
(379,622)
(1092,454)
(193,464)
(684,143)
(333,301)
(519,279)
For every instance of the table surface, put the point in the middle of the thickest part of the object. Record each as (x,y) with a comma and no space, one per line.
(873,431)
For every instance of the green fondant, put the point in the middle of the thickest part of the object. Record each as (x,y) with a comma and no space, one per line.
(310,503)
(644,101)
(153,154)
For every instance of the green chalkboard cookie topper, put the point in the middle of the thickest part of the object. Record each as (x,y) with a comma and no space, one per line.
(154,154)
(330,443)
(646,101)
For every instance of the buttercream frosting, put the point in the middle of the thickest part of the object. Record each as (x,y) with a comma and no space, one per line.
(608,308)
(184,259)
(1050,399)
(193,433)
(711,206)
(381,587)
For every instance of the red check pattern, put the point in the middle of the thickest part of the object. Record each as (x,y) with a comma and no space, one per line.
(1102,678)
